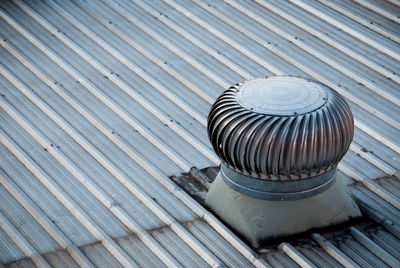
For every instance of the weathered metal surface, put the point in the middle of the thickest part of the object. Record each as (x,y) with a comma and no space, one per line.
(103,100)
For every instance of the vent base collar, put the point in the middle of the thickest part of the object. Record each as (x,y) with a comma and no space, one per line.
(278,189)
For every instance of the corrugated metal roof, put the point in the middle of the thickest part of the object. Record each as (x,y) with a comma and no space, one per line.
(102,101)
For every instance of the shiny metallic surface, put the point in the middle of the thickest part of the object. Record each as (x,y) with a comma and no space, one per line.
(281,190)
(283,145)
(169,61)
(281,96)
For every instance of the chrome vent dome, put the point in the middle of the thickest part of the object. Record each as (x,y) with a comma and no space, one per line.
(280,128)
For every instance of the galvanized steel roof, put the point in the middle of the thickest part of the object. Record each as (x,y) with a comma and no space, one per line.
(102,101)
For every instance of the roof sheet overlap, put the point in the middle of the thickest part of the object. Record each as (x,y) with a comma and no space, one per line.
(101,101)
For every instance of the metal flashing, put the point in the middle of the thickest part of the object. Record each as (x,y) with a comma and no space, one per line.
(102,101)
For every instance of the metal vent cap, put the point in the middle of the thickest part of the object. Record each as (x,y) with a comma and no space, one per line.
(280,128)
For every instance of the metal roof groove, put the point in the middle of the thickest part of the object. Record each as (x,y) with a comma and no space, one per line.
(102,102)
(115,79)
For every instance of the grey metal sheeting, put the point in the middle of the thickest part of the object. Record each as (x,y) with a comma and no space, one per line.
(102,101)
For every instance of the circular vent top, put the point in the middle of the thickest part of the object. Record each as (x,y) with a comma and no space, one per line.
(280,128)
(281,97)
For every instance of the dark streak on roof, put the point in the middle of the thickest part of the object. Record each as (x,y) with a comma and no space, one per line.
(101,101)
